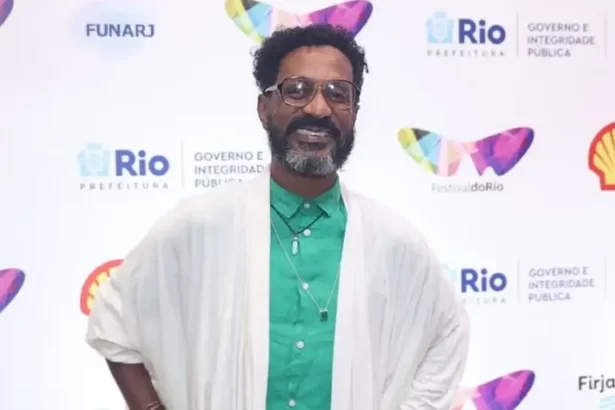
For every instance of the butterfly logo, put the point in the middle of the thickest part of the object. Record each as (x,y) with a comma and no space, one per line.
(441,156)
(6,6)
(259,20)
(505,392)
(11,282)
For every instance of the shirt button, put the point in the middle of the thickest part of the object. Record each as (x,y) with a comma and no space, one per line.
(307,232)
(305,286)
(300,344)
(292,403)
(306,205)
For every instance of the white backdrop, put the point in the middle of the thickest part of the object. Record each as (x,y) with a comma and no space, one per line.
(73,107)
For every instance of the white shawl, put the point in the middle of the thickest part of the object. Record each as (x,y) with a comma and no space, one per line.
(191,301)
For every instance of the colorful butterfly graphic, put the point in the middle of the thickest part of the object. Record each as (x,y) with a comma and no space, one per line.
(11,282)
(6,6)
(442,156)
(503,393)
(259,20)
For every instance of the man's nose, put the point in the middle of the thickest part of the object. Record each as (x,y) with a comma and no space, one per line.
(318,107)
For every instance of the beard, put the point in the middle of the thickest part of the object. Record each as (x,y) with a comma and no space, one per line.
(306,162)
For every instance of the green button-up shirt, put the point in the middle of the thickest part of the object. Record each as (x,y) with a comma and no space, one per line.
(301,345)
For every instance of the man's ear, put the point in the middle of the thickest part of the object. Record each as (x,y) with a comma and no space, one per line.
(261,107)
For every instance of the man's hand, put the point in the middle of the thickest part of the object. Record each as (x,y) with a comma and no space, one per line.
(136,386)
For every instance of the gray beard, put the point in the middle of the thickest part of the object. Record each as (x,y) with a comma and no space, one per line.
(309,165)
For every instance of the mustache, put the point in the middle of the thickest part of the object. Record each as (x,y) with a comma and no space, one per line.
(305,122)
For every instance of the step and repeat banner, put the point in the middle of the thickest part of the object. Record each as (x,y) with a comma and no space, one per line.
(489,126)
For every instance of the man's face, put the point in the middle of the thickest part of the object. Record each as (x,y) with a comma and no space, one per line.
(313,139)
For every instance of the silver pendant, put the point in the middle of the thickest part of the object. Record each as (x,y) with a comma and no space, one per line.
(295,245)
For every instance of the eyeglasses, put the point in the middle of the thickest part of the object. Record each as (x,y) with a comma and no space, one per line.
(442,156)
(299,92)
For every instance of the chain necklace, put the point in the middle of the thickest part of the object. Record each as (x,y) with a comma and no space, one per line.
(324,312)
(295,241)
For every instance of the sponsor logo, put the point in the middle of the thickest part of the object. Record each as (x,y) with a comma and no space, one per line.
(6,6)
(557,39)
(601,159)
(115,29)
(505,392)
(121,169)
(563,283)
(463,37)
(11,282)
(259,20)
(478,286)
(94,280)
(449,272)
(211,169)
(598,384)
(602,386)
(442,156)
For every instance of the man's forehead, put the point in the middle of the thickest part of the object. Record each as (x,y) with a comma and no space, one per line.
(319,62)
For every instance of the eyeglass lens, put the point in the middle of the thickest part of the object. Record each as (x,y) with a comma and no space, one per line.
(300,91)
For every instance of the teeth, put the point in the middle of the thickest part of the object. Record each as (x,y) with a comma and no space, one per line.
(313,136)
(312,131)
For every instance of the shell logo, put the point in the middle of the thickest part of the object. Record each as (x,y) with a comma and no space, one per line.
(602,157)
(94,280)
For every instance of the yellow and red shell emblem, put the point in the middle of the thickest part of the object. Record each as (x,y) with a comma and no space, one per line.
(90,287)
(602,157)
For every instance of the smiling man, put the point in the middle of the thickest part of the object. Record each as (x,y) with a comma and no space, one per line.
(288,291)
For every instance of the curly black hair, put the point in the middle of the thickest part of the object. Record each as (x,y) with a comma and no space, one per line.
(282,42)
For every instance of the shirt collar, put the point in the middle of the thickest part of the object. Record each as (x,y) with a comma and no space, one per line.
(288,203)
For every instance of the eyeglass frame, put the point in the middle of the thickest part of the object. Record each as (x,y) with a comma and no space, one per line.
(319,85)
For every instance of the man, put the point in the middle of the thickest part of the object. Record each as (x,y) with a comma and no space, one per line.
(286,291)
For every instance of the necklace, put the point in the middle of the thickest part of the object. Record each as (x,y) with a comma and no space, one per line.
(295,241)
(324,312)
